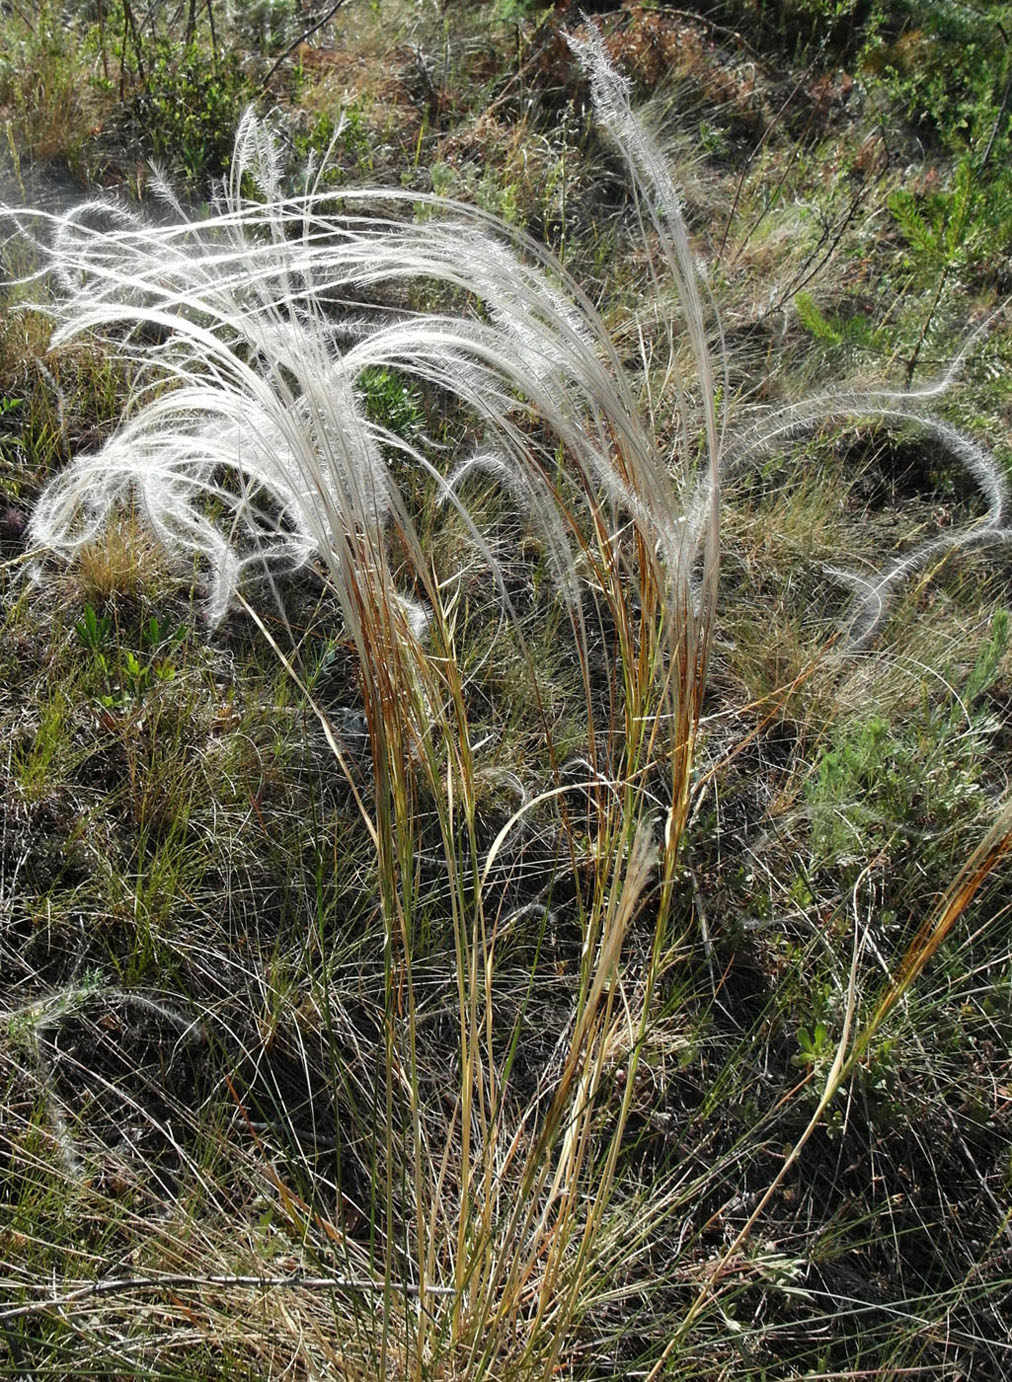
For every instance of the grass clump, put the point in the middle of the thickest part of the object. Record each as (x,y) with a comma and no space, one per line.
(491,949)
(45,89)
(257,436)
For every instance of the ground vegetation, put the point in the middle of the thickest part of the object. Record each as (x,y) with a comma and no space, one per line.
(505,690)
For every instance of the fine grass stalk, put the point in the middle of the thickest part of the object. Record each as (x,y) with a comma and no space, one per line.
(247,448)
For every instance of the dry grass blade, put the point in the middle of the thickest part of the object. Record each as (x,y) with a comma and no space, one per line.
(938,925)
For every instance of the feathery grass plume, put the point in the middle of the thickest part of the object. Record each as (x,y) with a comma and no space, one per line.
(874,593)
(247,444)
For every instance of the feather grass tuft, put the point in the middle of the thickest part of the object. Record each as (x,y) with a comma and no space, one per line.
(248,444)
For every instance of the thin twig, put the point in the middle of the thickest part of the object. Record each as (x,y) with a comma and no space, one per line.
(303,37)
(999,118)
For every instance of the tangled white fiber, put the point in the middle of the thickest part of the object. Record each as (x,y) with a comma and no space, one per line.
(247,442)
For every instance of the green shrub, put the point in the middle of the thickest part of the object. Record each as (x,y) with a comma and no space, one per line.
(881,783)
(947,64)
(186,108)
